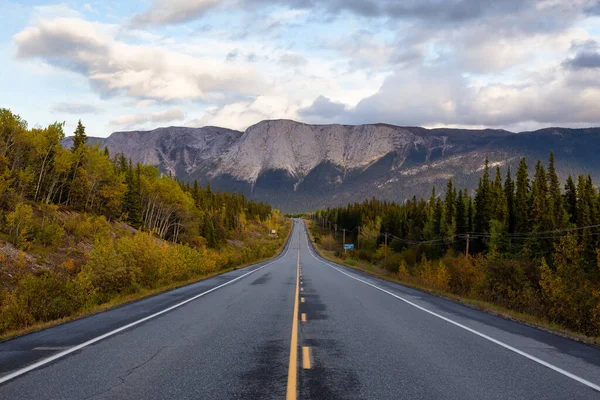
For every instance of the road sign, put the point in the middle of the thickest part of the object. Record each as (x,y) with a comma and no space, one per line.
(348,246)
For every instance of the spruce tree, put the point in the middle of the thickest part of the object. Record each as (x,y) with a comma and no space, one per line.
(80,138)
(509,195)
(570,200)
(522,195)
(483,207)
(555,197)
(499,199)
(450,203)
(540,213)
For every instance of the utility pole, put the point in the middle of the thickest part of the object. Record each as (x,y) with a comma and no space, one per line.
(358,239)
(467,252)
(344,239)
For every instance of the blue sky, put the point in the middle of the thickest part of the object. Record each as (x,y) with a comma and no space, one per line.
(123,65)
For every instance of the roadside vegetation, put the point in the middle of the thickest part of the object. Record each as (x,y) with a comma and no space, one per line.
(81,229)
(530,246)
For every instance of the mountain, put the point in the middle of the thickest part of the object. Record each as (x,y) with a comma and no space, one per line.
(300,167)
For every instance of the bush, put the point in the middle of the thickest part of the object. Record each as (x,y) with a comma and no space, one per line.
(107,270)
(20,224)
(41,298)
(506,282)
(328,243)
(50,234)
(569,298)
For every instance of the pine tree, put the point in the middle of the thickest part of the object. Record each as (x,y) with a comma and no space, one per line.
(540,213)
(585,200)
(438,212)
(509,195)
(499,199)
(570,200)
(132,202)
(555,197)
(470,214)
(522,195)
(450,203)
(460,218)
(461,214)
(80,138)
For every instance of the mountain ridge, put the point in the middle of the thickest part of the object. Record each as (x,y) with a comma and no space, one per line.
(299,167)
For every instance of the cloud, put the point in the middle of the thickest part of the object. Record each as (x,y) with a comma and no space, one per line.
(76,108)
(164,12)
(436,96)
(586,59)
(322,108)
(292,60)
(448,12)
(240,115)
(146,72)
(173,114)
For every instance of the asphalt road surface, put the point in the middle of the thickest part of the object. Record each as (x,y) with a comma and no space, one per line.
(296,327)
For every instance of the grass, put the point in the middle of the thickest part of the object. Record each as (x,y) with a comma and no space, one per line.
(490,308)
(130,298)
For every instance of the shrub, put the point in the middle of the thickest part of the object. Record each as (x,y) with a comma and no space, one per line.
(20,224)
(50,234)
(328,243)
(107,270)
(569,298)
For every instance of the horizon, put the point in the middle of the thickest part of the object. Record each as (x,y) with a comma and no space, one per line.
(121,66)
(67,135)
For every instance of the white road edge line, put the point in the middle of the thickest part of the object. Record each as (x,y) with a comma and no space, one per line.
(45,361)
(491,339)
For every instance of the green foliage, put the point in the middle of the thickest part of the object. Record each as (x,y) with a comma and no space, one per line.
(516,230)
(20,224)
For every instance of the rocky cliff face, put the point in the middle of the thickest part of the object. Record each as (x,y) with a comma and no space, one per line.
(299,167)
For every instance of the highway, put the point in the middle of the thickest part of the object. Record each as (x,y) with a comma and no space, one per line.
(296,327)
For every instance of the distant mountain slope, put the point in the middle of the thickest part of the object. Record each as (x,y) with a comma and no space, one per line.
(299,167)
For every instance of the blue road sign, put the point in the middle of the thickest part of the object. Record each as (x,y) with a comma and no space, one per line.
(348,246)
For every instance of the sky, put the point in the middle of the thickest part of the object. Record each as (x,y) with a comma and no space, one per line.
(129,65)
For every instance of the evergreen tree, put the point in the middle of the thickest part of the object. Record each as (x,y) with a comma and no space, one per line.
(450,203)
(132,202)
(570,200)
(461,214)
(585,198)
(470,214)
(555,197)
(522,195)
(80,138)
(540,213)
(509,195)
(499,200)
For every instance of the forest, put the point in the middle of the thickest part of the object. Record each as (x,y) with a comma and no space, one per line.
(82,229)
(526,242)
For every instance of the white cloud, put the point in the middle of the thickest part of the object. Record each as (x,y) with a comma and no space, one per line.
(173,11)
(76,108)
(115,67)
(240,115)
(130,120)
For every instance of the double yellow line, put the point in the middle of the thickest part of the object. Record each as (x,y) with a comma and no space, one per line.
(292,384)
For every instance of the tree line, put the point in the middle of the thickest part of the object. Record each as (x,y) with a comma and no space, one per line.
(67,246)
(35,167)
(533,240)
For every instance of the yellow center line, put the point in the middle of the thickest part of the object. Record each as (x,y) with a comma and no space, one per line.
(303,317)
(306,357)
(293,366)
